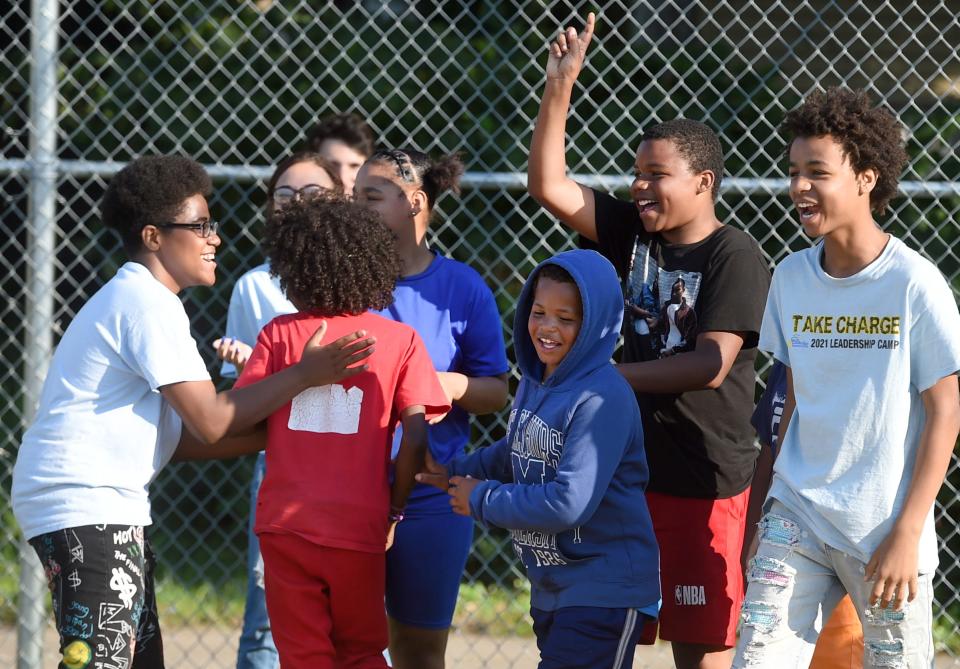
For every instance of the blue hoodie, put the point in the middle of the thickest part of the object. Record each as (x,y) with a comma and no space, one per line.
(568,480)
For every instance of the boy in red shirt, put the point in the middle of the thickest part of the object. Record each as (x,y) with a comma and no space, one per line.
(326,506)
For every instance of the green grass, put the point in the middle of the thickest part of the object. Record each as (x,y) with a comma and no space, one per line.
(489,610)
(494,610)
(202,603)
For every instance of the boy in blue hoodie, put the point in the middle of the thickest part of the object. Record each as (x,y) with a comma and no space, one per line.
(568,479)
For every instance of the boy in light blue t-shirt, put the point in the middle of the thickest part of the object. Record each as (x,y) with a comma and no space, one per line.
(867,330)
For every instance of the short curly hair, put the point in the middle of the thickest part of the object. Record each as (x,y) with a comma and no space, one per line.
(696,143)
(350,129)
(871,137)
(333,256)
(151,190)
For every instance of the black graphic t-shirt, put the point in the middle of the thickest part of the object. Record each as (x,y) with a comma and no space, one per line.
(699,443)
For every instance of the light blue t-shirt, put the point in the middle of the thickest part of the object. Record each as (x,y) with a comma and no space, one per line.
(103,430)
(255,301)
(861,350)
(456,315)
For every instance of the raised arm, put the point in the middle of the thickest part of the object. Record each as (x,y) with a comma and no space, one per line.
(547,179)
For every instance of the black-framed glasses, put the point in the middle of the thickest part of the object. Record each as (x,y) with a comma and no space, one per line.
(204,228)
(401,160)
(286,194)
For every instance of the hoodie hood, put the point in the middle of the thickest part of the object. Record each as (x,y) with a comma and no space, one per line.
(602,301)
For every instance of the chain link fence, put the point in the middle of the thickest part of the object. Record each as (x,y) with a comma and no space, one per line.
(235,85)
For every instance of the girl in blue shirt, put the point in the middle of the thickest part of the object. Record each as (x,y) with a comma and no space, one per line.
(456,315)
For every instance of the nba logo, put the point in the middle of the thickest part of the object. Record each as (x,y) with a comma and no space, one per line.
(678,595)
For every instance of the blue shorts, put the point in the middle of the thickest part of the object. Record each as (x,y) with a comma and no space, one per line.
(425,563)
(585,637)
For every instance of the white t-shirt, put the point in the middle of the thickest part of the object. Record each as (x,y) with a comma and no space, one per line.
(861,350)
(102,430)
(255,301)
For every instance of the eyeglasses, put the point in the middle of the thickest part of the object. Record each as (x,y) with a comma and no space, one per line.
(203,227)
(402,160)
(286,194)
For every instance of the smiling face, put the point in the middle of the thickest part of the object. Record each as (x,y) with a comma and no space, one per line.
(187,258)
(824,188)
(345,161)
(554,321)
(665,190)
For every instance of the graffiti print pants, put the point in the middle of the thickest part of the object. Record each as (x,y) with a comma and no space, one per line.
(101,583)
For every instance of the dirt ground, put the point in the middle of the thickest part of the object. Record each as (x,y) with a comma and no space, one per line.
(215,648)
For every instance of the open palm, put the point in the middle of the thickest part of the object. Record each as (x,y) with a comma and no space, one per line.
(568,51)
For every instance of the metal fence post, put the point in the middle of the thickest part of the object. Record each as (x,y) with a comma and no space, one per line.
(38,344)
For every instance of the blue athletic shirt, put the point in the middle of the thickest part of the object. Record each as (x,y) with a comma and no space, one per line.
(456,316)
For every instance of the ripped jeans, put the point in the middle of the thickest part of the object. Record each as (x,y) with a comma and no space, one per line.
(794,583)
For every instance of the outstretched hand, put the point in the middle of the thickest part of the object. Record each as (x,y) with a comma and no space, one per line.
(323,365)
(233,351)
(568,51)
(433,473)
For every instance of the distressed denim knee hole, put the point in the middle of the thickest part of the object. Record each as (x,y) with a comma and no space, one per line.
(770,571)
(779,531)
(886,653)
(760,616)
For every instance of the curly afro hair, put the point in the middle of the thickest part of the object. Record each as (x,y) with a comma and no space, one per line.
(333,256)
(696,143)
(350,129)
(871,137)
(150,191)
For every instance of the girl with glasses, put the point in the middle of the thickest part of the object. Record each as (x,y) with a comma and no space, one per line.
(455,313)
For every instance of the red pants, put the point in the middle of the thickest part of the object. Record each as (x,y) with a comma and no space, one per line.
(325,604)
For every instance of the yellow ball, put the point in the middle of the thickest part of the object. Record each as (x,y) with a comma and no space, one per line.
(77,655)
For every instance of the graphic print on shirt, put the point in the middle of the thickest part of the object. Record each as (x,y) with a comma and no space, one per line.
(535,455)
(330,408)
(660,305)
(856,331)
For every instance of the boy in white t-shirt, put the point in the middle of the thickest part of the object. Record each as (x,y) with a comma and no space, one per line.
(125,378)
(868,331)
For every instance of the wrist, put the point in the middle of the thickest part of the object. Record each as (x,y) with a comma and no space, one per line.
(907,528)
(560,86)
(395,515)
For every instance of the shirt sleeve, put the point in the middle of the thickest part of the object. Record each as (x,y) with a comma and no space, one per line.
(593,448)
(483,352)
(261,362)
(772,337)
(159,346)
(489,463)
(734,291)
(617,228)
(417,382)
(935,331)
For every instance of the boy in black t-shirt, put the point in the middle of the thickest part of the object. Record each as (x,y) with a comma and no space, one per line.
(693,372)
